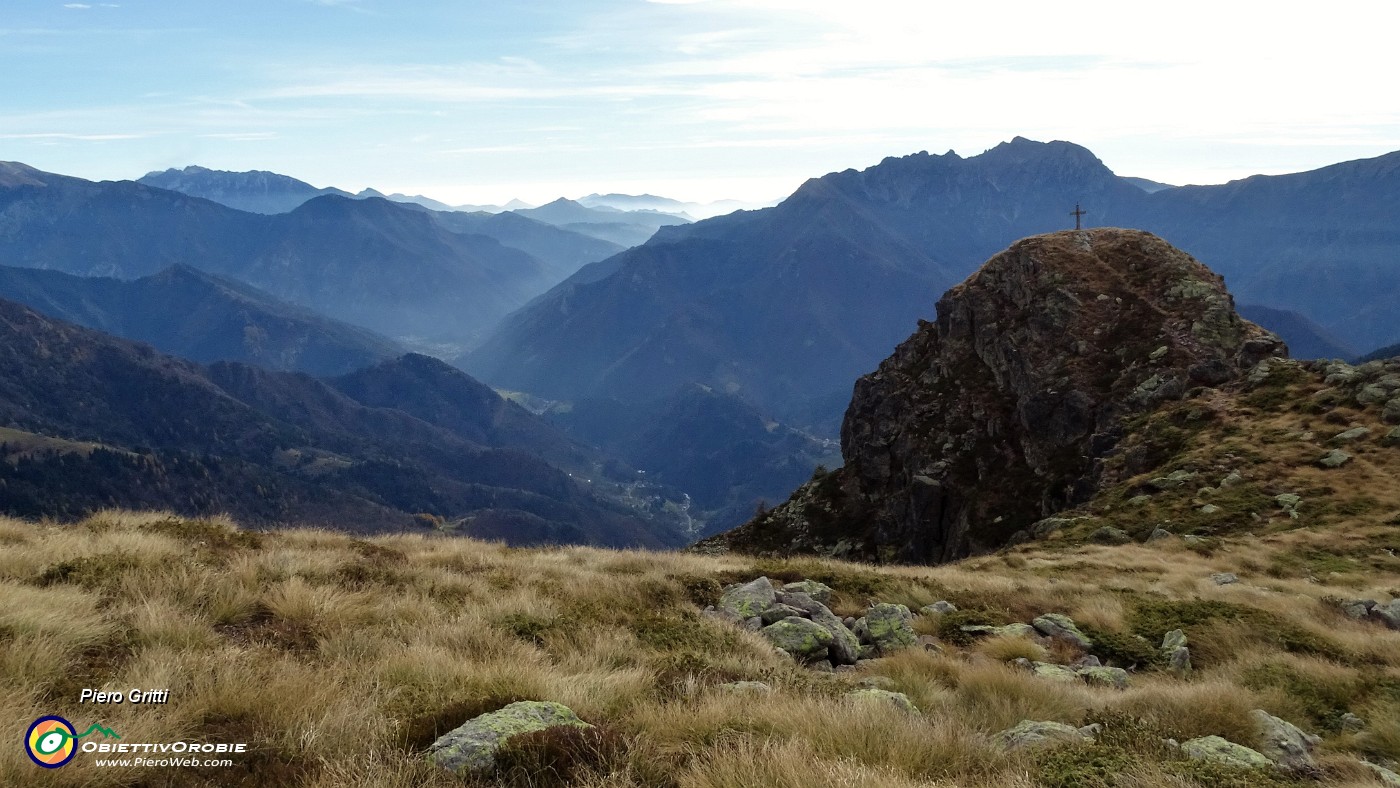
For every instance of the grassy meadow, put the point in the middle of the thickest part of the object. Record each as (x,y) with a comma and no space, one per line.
(339,660)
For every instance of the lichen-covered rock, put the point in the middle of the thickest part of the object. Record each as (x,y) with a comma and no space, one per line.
(471,748)
(1334,459)
(1110,535)
(1047,670)
(1029,733)
(1220,750)
(1058,625)
(805,640)
(1105,676)
(939,608)
(898,699)
(1173,640)
(890,627)
(1179,660)
(1284,743)
(1160,534)
(779,612)
(817,591)
(998,414)
(1358,609)
(1388,614)
(749,599)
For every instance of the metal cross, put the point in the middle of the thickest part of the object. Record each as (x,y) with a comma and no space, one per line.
(1076,213)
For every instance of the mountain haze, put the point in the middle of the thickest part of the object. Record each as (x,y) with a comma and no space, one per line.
(201,317)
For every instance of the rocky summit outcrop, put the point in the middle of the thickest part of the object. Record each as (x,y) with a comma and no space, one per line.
(1001,412)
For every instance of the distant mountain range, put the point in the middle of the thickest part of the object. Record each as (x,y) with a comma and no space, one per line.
(787,306)
(395,269)
(622,227)
(651,202)
(90,421)
(198,316)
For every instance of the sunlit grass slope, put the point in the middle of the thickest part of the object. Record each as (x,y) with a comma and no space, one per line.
(339,660)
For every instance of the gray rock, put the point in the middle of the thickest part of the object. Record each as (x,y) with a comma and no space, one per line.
(1387,777)
(749,599)
(890,628)
(1284,743)
(861,630)
(1209,508)
(746,688)
(1391,413)
(1058,625)
(845,646)
(1215,748)
(1372,394)
(1287,501)
(781,611)
(1388,615)
(753,624)
(1092,730)
(850,622)
(1029,733)
(1334,459)
(1173,640)
(1179,660)
(805,640)
(938,608)
(471,748)
(1110,535)
(1086,661)
(1224,578)
(1391,438)
(1231,479)
(800,601)
(1355,433)
(1358,609)
(897,699)
(720,615)
(1105,677)
(1138,500)
(1043,528)
(1160,534)
(1047,670)
(817,591)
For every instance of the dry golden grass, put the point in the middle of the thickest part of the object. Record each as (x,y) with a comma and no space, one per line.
(338,660)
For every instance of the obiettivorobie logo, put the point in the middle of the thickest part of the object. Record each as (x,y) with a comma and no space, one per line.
(53,741)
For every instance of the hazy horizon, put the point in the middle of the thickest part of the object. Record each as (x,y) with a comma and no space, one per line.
(696,100)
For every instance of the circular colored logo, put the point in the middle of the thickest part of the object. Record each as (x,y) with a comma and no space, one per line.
(51,742)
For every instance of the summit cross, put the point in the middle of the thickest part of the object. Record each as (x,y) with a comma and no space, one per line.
(1076,213)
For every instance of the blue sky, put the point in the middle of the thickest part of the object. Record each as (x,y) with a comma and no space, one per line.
(698,99)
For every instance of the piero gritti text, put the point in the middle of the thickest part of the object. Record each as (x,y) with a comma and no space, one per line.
(148,697)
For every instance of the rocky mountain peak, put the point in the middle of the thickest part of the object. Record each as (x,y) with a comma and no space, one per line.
(999,413)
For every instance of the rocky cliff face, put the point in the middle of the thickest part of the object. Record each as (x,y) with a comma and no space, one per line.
(1002,412)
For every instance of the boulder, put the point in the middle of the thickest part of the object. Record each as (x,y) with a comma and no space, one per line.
(1334,459)
(1047,670)
(471,748)
(1284,743)
(1215,748)
(1008,630)
(753,624)
(1105,677)
(890,628)
(1391,438)
(1160,534)
(938,608)
(1058,625)
(1372,394)
(1388,615)
(1391,412)
(817,591)
(749,599)
(1224,578)
(805,640)
(1347,436)
(779,612)
(1110,535)
(898,699)
(1029,733)
(1179,659)
(1358,609)
(1173,640)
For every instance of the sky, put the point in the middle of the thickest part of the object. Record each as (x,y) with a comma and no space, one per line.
(474,102)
